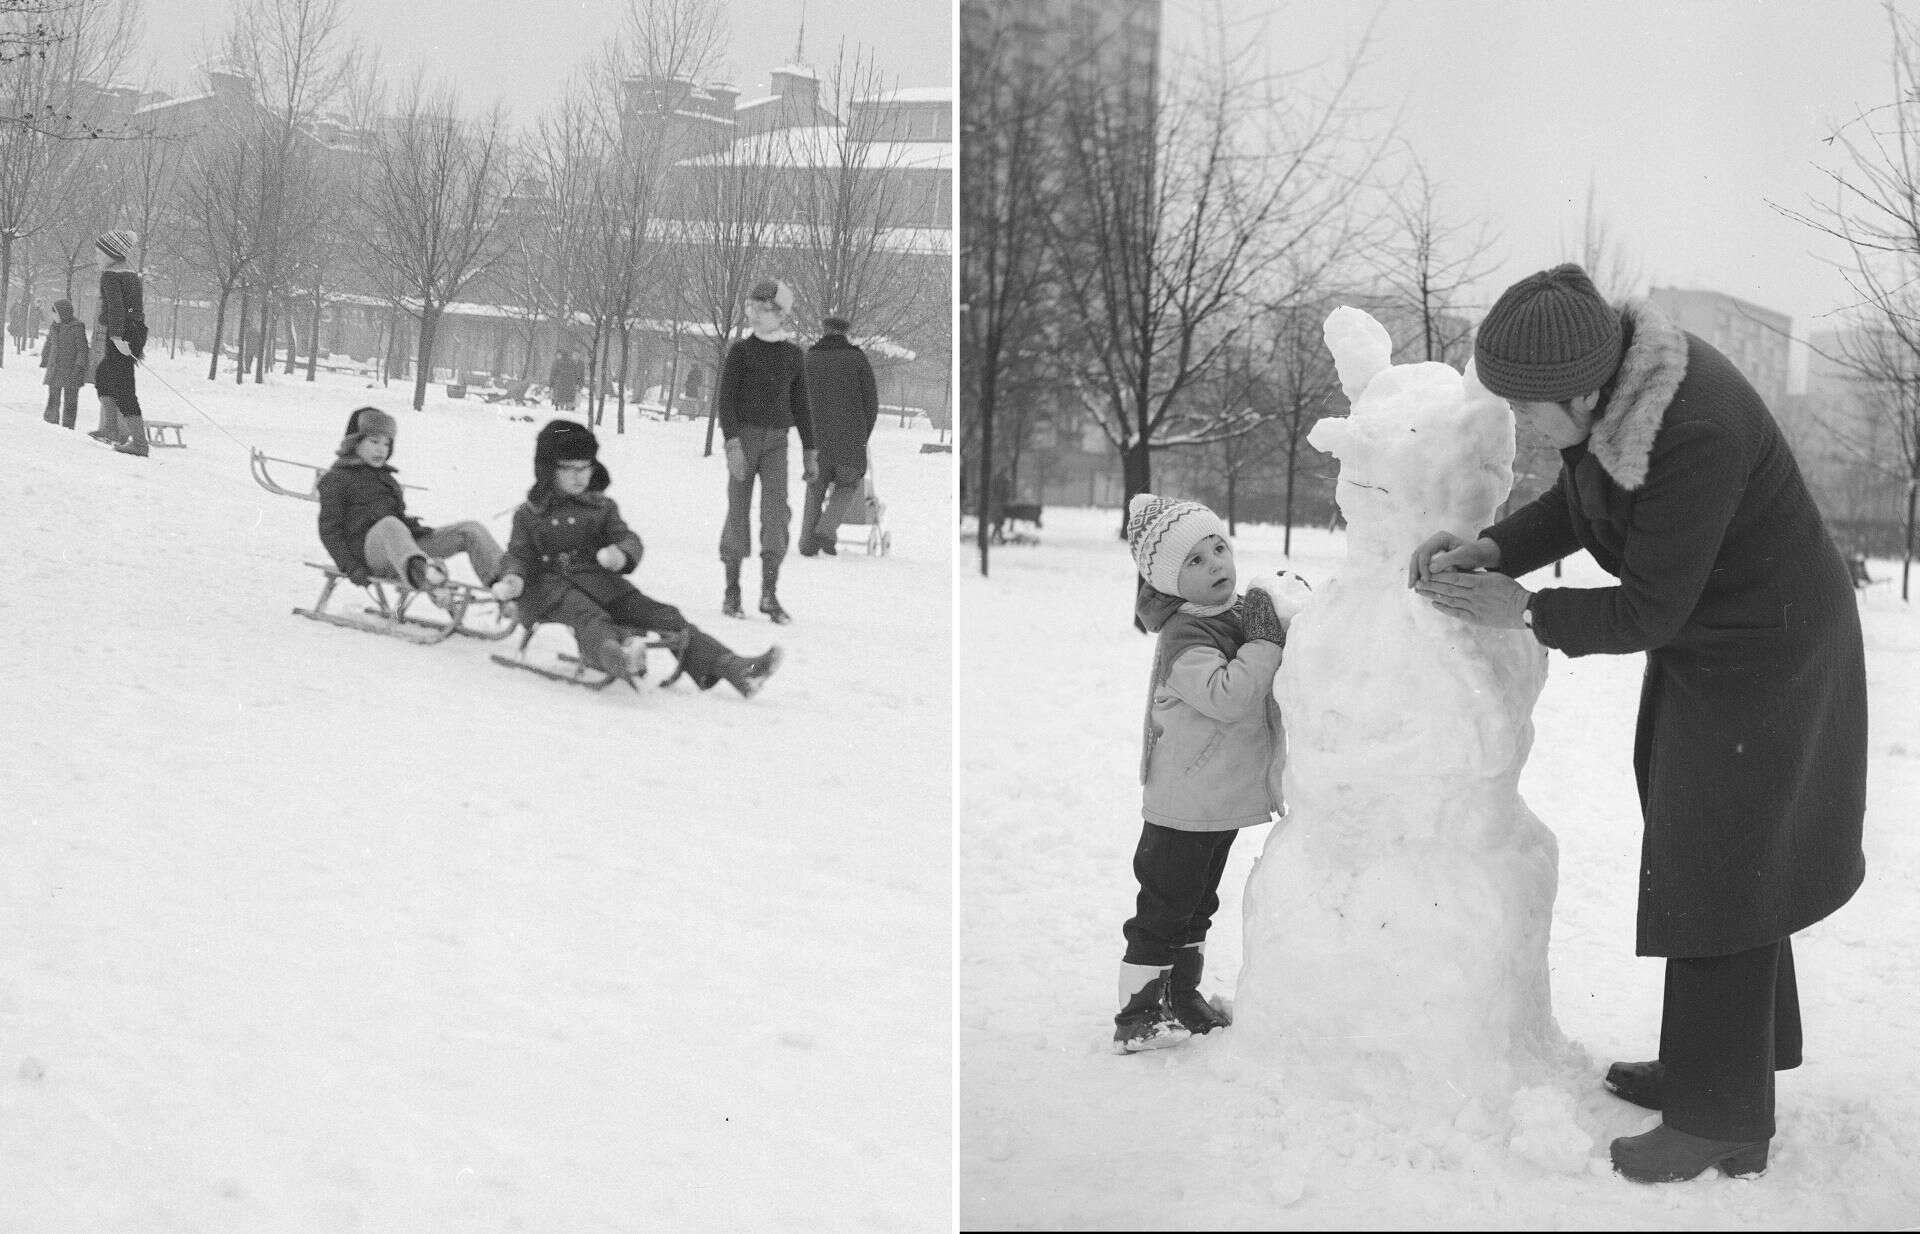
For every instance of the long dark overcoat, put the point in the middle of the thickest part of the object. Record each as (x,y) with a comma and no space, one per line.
(843,399)
(1751,749)
(553,545)
(353,497)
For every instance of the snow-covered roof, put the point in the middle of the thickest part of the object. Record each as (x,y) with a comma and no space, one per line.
(165,104)
(820,145)
(797,70)
(911,94)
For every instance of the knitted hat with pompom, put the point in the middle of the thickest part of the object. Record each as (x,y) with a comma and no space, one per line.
(1161,531)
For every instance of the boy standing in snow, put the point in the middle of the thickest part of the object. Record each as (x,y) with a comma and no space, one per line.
(65,358)
(762,394)
(1211,760)
(364,522)
(566,559)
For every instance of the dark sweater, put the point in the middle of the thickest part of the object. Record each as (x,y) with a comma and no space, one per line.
(765,383)
(121,302)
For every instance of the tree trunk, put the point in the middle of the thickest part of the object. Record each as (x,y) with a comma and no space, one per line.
(240,338)
(6,284)
(1906,562)
(626,358)
(423,362)
(1233,476)
(1136,466)
(313,351)
(219,332)
(713,394)
(983,477)
(1293,464)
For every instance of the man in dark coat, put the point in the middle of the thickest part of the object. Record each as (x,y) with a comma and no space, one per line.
(845,404)
(64,355)
(1751,748)
(564,378)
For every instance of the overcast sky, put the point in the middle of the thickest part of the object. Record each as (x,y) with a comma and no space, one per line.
(522,51)
(1688,115)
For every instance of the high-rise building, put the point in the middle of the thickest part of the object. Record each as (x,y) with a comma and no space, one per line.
(1756,339)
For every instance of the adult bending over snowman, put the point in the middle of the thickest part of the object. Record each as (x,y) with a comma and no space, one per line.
(1750,751)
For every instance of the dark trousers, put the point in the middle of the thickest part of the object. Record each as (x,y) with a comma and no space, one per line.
(634,612)
(63,405)
(766,454)
(1179,876)
(1726,1025)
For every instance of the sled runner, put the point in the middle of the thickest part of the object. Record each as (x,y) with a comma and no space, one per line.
(579,674)
(263,476)
(391,598)
(866,522)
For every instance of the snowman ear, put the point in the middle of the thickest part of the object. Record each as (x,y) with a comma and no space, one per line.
(1361,349)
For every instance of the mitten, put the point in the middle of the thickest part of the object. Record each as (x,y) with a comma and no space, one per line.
(736,459)
(507,587)
(810,465)
(611,558)
(1258,619)
(120,345)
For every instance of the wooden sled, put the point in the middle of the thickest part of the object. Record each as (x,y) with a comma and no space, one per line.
(388,615)
(263,476)
(580,674)
(866,521)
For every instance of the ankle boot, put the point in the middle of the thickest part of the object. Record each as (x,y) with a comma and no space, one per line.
(109,430)
(1194,1012)
(1667,1155)
(136,430)
(749,674)
(1146,1020)
(730,601)
(769,602)
(1644,1084)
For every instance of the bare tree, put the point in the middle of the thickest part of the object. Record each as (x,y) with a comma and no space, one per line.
(432,196)
(1613,269)
(1875,211)
(1429,262)
(217,240)
(1177,216)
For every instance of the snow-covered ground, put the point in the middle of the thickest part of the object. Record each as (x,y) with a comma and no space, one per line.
(1057,1132)
(309,929)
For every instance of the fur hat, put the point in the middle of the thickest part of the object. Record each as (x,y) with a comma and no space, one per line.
(774,292)
(565,441)
(1549,338)
(117,244)
(1161,531)
(63,309)
(365,422)
(835,325)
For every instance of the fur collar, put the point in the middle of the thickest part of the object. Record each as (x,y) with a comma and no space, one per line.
(1635,403)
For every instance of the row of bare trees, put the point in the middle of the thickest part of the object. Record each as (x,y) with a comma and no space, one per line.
(308,177)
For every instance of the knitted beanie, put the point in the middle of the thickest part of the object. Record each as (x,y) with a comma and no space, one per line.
(116,244)
(365,422)
(836,325)
(1161,531)
(1549,338)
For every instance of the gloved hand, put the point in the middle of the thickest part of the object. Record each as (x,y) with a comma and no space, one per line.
(1289,594)
(507,587)
(736,459)
(611,558)
(359,577)
(1258,619)
(120,345)
(810,465)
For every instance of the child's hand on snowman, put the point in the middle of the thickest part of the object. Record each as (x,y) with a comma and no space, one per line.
(1289,592)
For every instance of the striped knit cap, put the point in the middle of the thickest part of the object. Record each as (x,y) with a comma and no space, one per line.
(116,244)
(1161,531)
(1549,338)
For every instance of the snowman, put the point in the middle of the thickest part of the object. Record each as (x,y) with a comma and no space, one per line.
(1396,923)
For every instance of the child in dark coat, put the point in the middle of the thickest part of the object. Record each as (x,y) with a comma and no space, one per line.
(364,522)
(566,561)
(65,357)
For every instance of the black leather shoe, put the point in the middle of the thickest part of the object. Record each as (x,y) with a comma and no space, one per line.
(1665,1155)
(1644,1084)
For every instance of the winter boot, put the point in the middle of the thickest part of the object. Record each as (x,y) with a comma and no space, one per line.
(830,545)
(426,574)
(1668,1155)
(109,430)
(746,674)
(625,658)
(1146,1020)
(1644,1084)
(730,602)
(136,430)
(1195,1013)
(769,602)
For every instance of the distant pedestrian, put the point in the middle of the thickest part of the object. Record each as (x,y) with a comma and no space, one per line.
(564,379)
(845,403)
(120,340)
(762,394)
(17,325)
(64,356)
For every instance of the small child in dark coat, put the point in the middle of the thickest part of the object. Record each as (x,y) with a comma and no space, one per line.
(566,558)
(65,357)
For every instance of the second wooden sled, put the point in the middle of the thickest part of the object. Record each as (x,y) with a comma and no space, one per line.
(391,599)
(581,674)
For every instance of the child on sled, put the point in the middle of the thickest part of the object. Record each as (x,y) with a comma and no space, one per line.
(364,522)
(565,560)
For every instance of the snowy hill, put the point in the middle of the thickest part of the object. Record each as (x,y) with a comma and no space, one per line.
(1056,1132)
(311,929)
